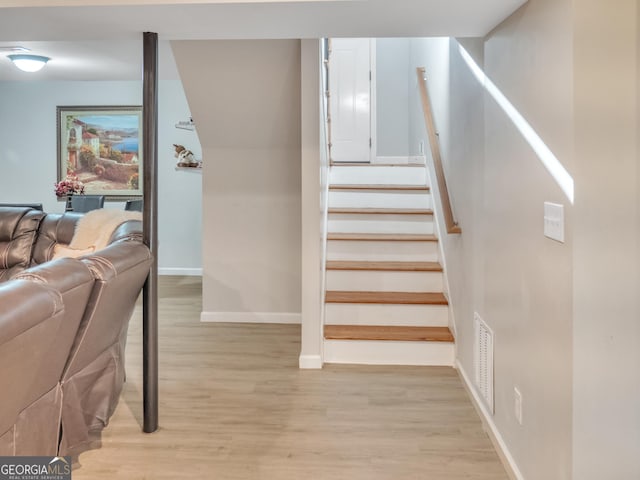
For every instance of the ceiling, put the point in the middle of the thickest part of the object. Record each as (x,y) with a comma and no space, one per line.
(104,42)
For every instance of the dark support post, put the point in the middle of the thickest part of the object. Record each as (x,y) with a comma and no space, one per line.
(150,226)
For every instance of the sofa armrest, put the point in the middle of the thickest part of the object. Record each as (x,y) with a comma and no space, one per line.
(129,230)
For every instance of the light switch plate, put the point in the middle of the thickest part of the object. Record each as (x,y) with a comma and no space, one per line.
(554,221)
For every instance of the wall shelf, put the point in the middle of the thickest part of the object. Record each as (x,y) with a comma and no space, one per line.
(189,169)
(186,125)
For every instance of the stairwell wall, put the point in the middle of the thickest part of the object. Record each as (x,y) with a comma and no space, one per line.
(527,278)
(606,373)
(502,266)
(564,315)
(245,99)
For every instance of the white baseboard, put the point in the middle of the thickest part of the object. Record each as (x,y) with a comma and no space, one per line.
(399,160)
(310,362)
(499,444)
(187,272)
(250,317)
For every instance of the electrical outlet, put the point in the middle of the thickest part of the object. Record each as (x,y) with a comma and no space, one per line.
(517,404)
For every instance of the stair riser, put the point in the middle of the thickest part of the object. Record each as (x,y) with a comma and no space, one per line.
(396,315)
(356,199)
(382,251)
(389,353)
(378,175)
(381,281)
(380,223)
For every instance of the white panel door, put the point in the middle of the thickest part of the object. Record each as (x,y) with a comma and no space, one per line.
(350,99)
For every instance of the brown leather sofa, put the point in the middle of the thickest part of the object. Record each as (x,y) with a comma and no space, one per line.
(63,326)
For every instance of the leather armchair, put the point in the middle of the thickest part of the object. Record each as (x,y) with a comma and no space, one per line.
(25,343)
(18,230)
(40,425)
(95,375)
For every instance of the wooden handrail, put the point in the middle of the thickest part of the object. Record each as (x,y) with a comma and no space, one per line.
(450,223)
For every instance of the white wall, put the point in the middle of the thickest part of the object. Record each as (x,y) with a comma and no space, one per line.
(392,96)
(502,266)
(245,99)
(527,277)
(565,316)
(459,118)
(433,54)
(28,156)
(606,375)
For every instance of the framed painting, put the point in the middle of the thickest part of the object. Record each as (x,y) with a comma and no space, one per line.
(102,147)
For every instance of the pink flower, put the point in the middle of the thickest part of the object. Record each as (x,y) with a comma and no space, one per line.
(69,185)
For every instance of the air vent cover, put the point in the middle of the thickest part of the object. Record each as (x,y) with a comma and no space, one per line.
(484,360)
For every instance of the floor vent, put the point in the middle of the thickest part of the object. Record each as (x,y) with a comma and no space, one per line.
(484,360)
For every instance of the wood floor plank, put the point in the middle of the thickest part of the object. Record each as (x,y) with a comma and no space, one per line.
(402,298)
(235,406)
(385,211)
(384,266)
(390,333)
(382,237)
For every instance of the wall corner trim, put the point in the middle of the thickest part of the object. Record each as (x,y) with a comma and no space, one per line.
(499,444)
(250,317)
(310,362)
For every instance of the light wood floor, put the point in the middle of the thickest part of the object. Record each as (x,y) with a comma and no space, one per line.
(234,405)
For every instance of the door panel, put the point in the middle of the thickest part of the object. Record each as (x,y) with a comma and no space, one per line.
(350,99)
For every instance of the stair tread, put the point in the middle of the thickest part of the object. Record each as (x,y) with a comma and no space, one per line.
(355,186)
(403,298)
(389,333)
(392,211)
(383,237)
(384,266)
(367,164)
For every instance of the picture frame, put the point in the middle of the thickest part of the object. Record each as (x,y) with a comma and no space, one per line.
(102,146)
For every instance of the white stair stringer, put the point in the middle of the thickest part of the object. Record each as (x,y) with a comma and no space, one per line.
(383,352)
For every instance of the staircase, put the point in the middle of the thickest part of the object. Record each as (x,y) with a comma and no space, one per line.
(384,282)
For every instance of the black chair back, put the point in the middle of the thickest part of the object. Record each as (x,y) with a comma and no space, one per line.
(135,205)
(86,203)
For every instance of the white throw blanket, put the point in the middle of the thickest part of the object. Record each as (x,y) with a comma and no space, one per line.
(93,231)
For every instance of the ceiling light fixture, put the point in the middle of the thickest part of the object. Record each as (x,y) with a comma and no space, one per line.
(29,63)
(14,49)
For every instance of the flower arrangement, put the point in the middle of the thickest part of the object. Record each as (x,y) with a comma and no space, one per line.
(69,186)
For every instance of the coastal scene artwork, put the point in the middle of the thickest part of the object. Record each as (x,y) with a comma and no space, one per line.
(101,146)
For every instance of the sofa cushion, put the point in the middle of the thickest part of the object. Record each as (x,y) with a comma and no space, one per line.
(18,229)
